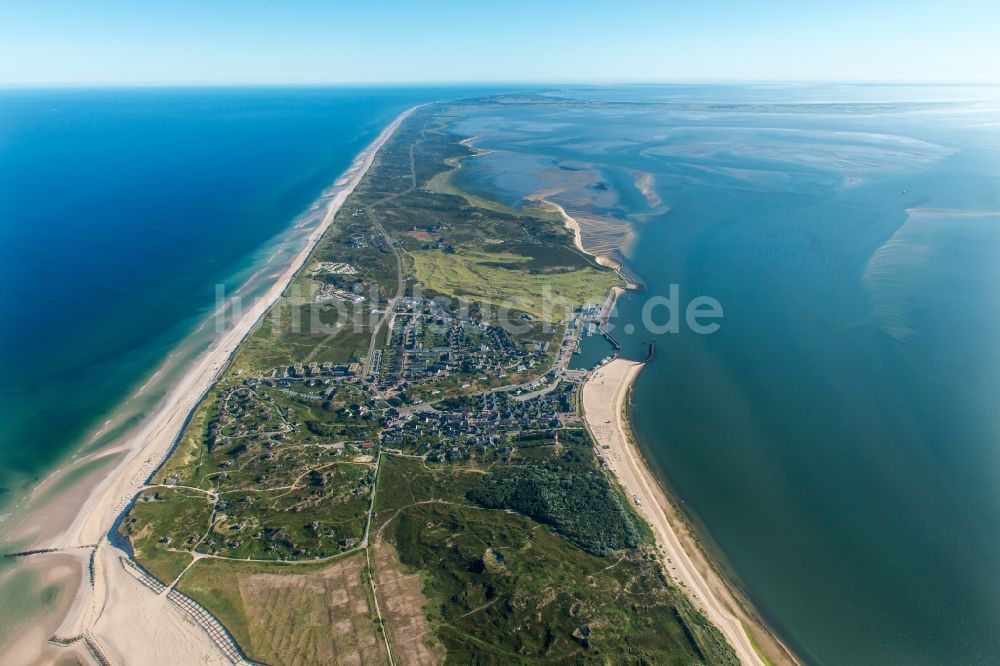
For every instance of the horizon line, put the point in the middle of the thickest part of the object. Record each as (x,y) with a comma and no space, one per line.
(473,83)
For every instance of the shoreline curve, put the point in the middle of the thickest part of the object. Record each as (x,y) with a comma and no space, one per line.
(605,400)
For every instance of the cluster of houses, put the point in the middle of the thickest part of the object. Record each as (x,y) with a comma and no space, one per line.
(367,239)
(328,292)
(334,268)
(454,427)
(430,348)
(428,343)
(303,370)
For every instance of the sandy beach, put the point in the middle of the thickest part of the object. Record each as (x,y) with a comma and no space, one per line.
(122,615)
(574,226)
(605,402)
(568,220)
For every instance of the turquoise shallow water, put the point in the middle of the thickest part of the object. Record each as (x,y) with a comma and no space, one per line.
(836,441)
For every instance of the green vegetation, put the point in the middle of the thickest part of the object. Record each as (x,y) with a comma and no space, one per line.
(405,481)
(498,543)
(564,490)
(164,526)
(500,590)
(279,477)
(503,279)
(301,614)
(580,507)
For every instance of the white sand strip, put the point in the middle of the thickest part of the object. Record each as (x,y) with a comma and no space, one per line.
(605,401)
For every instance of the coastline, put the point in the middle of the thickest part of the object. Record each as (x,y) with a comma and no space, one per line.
(605,397)
(139,454)
(574,225)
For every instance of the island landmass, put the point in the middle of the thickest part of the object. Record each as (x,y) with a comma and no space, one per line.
(388,458)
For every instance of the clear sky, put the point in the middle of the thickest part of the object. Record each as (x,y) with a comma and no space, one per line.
(375,41)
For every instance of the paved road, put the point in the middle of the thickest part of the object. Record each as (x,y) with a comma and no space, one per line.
(399,260)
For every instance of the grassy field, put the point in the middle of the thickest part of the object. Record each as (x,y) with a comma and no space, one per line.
(499,278)
(278,489)
(291,334)
(179,516)
(298,615)
(402,603)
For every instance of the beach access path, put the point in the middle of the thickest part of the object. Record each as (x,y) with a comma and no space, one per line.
(605,401)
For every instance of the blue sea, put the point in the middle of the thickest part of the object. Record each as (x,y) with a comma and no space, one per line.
(120,212)
(836,442)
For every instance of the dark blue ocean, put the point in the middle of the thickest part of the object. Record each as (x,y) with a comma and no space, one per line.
(120,210)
